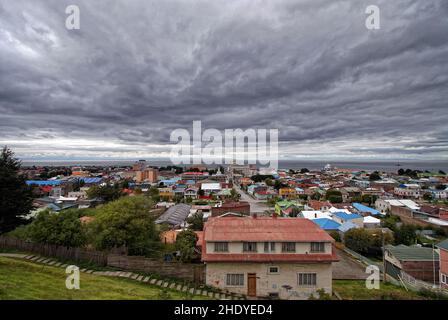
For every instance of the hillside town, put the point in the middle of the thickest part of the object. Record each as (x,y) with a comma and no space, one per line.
(255,232)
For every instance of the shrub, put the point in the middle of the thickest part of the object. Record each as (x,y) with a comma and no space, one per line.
(336,236)
(124,222)
(62,228)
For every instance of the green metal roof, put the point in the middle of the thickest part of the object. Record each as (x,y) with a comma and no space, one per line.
(412,253)
(443,244)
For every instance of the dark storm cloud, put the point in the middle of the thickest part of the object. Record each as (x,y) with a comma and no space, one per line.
(136,70)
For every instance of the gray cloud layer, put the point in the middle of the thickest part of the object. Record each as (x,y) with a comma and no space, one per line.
(138,69)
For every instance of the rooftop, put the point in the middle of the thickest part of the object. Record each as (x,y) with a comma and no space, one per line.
(413,253)
(327,224)
(346,216)
(239,229)
(443,244)
(363,208)
(175,215)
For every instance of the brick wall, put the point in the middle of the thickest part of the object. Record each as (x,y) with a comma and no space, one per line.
(422,270)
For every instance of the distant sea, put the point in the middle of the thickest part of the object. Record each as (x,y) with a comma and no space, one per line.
(387,166)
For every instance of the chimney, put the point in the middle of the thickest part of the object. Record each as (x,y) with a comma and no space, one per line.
(274,215)
(254,216)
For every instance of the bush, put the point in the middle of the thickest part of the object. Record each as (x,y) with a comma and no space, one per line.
(367,242)
(196,221)
(406,234)
(186,243)
(336,236)
(63,228)
(124,222)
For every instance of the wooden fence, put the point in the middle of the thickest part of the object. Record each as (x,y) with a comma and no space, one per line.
(59,252)
(186,271)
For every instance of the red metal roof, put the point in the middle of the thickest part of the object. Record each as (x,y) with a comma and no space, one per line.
(263,229)
(260,257)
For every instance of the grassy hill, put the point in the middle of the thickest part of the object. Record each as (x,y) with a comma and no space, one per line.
(26,280)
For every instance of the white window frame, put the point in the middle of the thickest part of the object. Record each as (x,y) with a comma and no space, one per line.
(252,244)
(270,272)
(286,244)
(319,244)
(225,244)
(443,278)
(228,277)
(305,274)
(270,247)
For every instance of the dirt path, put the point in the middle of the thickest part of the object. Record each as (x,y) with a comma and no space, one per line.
(348,268)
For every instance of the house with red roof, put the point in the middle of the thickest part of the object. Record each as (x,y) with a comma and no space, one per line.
(319,205)
(288,258)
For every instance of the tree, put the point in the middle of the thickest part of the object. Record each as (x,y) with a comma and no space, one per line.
(234,195)
(316,196)
(261,177)
(442,172)
(58,228)
(16,198)
(185,243)
(374,176)
(334,196)
(154,194)
(196,221)
(106,192)
(278,185)
(427,196)
(124,222)
(367,198)
(406,234)
(358,240)
(304,170)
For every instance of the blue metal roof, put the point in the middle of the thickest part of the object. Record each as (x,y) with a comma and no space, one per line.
(363,208)
(347,226)
(327,224)
(90,180)
(168,182)
(44,182)
(346,216)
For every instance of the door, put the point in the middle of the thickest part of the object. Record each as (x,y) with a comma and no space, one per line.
(252,284)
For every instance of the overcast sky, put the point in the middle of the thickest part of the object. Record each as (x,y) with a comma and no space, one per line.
(138,69)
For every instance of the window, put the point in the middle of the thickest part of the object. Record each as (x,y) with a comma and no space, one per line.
(274,270)
(266,247)
(317,246)
(236,279)
(269,247)
(444,278)
(221,247)
(249,247)
(307,279)
(288,247)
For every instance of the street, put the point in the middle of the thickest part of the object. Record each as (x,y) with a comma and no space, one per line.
(256,206)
